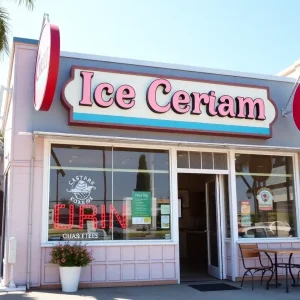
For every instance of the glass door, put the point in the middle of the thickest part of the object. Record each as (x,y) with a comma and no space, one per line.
(214,226)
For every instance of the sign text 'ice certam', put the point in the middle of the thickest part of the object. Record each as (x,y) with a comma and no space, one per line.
(98,97)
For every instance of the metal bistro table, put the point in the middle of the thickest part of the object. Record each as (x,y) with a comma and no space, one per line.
(290,252)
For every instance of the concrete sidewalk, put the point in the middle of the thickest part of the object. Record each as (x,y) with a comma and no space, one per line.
(173,292)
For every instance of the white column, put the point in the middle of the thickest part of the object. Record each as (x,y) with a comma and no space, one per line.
(296,190)
(174,206)
(233,217)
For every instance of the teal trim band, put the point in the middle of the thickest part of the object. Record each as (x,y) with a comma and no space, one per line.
(158,123)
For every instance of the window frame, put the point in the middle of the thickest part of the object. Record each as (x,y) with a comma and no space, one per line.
(200,170)
(172,149)
(46,194)
(295,162)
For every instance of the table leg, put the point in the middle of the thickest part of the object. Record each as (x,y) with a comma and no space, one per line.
(286,280)
(276,275)
(274,266)
(290,269)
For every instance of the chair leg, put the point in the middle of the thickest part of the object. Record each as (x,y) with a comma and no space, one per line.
(262,276)
(272,273)
(286,279)
(243,278)
(252,279)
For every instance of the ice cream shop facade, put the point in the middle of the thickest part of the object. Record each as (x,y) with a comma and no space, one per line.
(162,170)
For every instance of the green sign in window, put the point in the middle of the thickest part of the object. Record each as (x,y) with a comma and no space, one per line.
(141,207)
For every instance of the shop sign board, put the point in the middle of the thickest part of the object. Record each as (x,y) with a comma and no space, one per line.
(115,99)
(47,66)
(141,207)
(296,107)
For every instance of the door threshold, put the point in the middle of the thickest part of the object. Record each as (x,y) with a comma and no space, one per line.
(201,280)
(195,282)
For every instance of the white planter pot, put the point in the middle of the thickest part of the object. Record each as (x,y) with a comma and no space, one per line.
(69,278)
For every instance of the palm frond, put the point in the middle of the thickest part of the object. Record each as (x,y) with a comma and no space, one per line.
(28,3)
(4,31)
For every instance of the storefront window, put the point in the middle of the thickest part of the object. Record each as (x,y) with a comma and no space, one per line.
(201,160)
(265,196)
(103,193)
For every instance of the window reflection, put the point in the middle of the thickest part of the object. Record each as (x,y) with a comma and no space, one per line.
(265,196)
(94,192)
(183,159)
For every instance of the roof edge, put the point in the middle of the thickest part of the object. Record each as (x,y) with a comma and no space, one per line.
(281,76)
(25,41)
(162,65)
(293,67)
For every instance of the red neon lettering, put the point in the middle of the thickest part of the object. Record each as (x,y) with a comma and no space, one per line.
(57,207)
(90,216)
(113,211)
(83,216)
(103,216)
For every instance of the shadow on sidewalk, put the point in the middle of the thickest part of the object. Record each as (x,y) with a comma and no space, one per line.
(16,296)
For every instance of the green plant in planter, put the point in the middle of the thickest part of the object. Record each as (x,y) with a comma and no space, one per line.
(66,255)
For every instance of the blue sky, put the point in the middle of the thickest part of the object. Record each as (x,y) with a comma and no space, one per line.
(259,36)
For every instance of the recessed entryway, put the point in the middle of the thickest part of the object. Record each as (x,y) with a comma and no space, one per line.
(200,222)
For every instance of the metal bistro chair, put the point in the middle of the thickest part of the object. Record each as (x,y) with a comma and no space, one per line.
(292,266)
(250,251)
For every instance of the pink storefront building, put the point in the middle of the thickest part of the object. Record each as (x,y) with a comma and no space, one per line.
(162,170)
